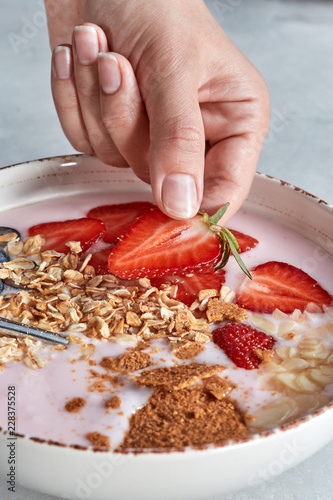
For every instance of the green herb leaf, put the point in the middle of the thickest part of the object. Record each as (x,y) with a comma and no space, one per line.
(224,258)
(231,237)
(228,241)
(219,214)
(234,252)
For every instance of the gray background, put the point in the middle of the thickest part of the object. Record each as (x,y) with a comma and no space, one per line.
(291,43)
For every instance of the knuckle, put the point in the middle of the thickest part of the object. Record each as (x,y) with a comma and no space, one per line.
(185,138)
(257,119)
(111,157)
(262,108)
(90,92)
(97,138)
(123,120)
(82,145)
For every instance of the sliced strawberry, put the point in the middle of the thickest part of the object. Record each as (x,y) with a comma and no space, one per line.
(118,218)
(57,234)
(244,241)
(189,285)
(278,285)
(99,260)
(157,245)
(240,343)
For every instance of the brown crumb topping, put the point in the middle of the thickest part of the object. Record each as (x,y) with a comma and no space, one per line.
(221,311)
(97,386)
(75,405)
(127,362)
(177,377)
(98,439)
(188,350)
(264,355)
(114,403)
(218,387)
(103,377)
(141,345)
(186,417)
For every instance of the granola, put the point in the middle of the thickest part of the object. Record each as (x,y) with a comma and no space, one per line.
(65,295)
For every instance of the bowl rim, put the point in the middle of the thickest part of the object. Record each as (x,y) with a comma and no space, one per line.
(227,444)
(76,156)
(223,445)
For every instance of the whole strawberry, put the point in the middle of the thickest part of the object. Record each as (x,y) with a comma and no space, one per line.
(242,344)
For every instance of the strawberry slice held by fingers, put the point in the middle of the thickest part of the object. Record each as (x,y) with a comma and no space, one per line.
(157,245)
(119,218)
(278,285)
(243,344)
(189,285)
(244,241)
(57,234)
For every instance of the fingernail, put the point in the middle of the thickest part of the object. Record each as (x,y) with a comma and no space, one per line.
(63,62)
(179,195)
(109,73)
(86,44)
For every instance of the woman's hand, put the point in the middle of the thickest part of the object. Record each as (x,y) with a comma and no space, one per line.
(159,87)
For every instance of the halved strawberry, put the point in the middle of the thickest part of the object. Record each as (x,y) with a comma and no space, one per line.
(57,234)
(278,285)
(157,245)
(189,285)
(118,218)
(99,260)
(240,343)
(244,241)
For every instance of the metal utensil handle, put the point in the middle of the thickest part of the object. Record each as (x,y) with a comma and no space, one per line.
(14,326)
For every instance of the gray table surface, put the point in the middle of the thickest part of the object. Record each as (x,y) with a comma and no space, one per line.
(291,43)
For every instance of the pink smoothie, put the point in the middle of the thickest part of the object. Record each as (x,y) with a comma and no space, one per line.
(42,394)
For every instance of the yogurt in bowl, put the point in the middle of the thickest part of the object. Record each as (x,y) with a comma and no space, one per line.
(75,401)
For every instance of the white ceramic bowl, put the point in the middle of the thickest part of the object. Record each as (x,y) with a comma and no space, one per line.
(82,473)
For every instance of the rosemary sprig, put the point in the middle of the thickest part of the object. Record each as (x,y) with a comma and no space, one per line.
(227,239)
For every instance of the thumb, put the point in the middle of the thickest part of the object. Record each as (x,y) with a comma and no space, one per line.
(177,146)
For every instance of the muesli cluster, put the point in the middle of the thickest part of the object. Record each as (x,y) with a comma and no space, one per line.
(65,295)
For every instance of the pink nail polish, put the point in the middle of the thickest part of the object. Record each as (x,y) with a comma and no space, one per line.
(63,62)
(86,44)
(109,73)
